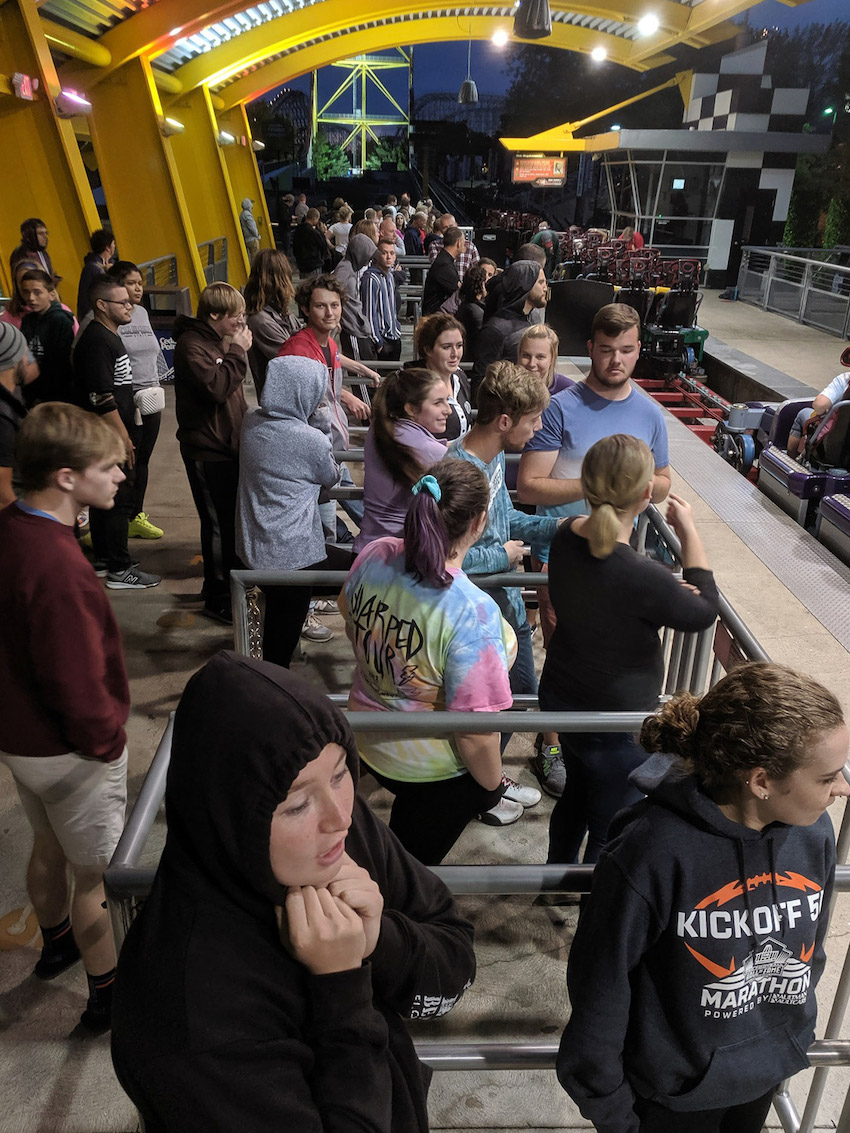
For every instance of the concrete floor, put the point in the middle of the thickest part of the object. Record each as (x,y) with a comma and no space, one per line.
(57,1083)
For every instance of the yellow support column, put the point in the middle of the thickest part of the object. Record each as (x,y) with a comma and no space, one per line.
(147,206)
(244,172)
(43,174)
(204,173)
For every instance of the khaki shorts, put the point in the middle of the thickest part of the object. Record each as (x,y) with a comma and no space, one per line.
(82,801)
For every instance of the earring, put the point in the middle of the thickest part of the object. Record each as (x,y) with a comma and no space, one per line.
(765,796)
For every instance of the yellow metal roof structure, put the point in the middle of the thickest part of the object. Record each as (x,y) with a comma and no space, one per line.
(240,53)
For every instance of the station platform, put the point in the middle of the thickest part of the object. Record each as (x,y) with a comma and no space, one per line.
(790,591)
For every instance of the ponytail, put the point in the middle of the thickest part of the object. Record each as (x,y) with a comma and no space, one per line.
(615,474)
(404,387)
(445,504)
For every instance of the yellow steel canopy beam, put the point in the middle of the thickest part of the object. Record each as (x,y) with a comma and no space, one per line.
(309,57)
(560,138)
(159,26)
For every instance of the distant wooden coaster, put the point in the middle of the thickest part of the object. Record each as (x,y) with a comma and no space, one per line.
(181,619)
(19,929)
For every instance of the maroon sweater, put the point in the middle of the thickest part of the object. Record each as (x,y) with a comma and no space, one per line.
(63,685)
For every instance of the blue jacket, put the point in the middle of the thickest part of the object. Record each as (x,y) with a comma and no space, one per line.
(504,522)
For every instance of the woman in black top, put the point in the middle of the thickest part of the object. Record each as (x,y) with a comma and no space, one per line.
(264,984)
(605,655)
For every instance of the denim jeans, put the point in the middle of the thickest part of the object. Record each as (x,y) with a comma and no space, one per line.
(598,765)
(522,677)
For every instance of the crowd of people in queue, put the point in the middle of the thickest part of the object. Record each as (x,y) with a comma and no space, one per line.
(289,931)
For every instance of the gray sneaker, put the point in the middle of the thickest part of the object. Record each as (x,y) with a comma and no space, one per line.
(131,579)
(548,766)
(313,630)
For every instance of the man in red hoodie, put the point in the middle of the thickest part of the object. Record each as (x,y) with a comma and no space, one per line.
(65,696)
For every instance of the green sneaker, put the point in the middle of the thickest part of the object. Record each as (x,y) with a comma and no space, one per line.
(142,528)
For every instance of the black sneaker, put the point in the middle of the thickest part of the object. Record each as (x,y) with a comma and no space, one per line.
(53,963)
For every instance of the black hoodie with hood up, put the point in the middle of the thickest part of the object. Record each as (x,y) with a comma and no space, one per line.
(500,335)
(215,1025)
(693,970)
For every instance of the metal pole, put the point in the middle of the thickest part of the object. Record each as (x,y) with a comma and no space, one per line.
(702,660)
(833,1026)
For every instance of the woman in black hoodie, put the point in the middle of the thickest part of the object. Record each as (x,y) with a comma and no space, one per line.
(693,970)
(263,985)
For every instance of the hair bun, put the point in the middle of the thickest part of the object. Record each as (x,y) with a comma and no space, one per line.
(673,729)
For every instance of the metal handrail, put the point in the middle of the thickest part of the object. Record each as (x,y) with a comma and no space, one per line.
(812,291)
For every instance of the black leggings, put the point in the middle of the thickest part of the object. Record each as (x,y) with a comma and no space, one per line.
(748,1117)
(144,438)
(428,818)
(286,608)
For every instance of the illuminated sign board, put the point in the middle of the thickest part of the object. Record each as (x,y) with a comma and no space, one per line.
(540,171)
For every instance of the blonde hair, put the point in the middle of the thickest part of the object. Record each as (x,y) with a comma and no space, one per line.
(541,330)
(615,474)
(220,299)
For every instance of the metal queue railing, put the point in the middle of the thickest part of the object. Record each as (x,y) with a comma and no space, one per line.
(693,662)
(797,285)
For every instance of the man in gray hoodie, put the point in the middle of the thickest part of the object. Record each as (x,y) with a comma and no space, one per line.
(250,232)
(286,457)
(355,330)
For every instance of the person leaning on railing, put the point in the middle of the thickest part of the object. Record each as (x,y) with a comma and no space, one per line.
(287,934)
(425,638)
(692,974)
(605,654)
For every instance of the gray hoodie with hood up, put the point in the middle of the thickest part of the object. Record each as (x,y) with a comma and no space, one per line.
(358,256)
(283,462)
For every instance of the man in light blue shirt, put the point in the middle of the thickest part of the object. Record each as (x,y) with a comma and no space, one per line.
(604,404)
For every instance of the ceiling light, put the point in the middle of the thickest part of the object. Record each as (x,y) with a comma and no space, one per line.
(257,146)
(225,139)
(615,129)
(599,55)
(500,37)
(171,126)
(69,104)
(648,24)
(468,92)
(533,19)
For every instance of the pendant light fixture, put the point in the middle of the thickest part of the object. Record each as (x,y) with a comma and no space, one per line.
(468,92)
(533,19)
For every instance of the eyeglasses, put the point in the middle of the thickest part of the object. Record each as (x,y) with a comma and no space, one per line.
(119,302)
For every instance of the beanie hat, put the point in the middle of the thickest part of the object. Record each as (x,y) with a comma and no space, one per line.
(13,346)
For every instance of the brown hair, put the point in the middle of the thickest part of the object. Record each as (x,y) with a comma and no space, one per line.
(508,388)
(404,387)
(54,435)
(304,294)
(270,283)
(220,299)
(614,319)
(39,275)
(428,330)
(615,473)
(16,304)
(760,715)
(541,330)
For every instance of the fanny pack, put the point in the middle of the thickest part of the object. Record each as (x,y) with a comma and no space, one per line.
(149,400)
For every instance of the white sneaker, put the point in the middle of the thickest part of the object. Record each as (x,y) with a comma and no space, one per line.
(326,606)
(504,813)
(525,796)
(313,630)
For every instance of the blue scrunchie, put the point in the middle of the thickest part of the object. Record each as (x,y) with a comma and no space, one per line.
(430,485)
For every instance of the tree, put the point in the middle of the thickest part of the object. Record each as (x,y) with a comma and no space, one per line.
(837,229)
(329,161)
(390,149)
